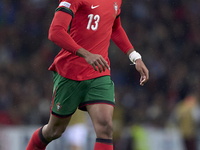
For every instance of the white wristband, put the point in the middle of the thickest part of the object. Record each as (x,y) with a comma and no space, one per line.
(133,56)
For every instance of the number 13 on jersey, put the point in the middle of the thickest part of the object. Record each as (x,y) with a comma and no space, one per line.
(96,19)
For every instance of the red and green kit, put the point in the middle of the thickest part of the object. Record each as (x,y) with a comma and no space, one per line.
(87,24)
(92,25)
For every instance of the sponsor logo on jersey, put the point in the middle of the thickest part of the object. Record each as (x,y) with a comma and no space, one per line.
(58,106)
(93,7)
(115,7)
(65,4)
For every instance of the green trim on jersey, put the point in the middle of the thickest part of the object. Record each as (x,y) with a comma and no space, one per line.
(67,10)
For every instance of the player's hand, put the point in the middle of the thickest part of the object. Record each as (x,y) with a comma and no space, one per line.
(96,60)
(142,69)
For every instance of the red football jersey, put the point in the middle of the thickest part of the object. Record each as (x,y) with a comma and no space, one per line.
(91,28)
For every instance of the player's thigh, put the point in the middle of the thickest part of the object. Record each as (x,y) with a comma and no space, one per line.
(67,96)
(101,92)
(54,121)
(101,101)
(55,126)
(101,114)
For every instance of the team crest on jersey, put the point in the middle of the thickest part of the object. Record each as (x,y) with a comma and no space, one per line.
(65,4)
(115,7)
(58,106)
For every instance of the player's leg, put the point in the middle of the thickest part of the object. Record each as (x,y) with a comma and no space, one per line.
(51,131)
(64,104)
(101,115)
(55,127)
(99,103)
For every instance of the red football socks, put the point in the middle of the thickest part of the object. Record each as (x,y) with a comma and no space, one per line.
(103,144)
(37,141)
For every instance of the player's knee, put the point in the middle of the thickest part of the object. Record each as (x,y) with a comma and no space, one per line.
(55,133)
(105,129)
(109,129)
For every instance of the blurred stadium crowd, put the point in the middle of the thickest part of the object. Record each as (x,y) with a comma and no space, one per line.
(165,32)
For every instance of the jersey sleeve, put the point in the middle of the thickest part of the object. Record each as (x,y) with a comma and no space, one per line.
(58,32)
(68,6)
(119,36)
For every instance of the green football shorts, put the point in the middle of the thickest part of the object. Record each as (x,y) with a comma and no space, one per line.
(68,95)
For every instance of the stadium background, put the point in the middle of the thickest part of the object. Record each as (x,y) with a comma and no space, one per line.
(165,32)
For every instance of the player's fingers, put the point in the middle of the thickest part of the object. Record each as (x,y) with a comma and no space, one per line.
(99,67)
(102,64)
(146,74)
(143,80)
(144,77)
(94,66)
(105,63)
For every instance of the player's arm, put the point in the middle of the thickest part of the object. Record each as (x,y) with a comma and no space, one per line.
(58,33)
(119,37)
